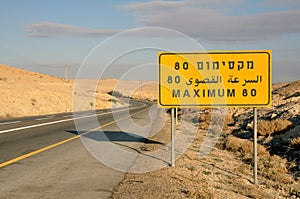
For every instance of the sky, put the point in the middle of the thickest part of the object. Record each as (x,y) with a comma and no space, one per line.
(103,39)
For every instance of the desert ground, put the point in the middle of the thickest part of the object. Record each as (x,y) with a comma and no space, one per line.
(26,93)
(226,172)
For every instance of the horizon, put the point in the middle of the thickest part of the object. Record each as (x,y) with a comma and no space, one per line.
(111,78)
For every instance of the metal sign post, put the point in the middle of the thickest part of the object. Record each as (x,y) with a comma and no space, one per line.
(255,145)
(172,139)
(209,79)
(176,115)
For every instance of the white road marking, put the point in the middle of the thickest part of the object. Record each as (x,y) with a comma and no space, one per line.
(43,118)
(59,121)
(13,122)
(82,115)
(67,116)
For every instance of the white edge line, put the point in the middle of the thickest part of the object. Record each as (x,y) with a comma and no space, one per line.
(4,123)
(67,116)
(43,118)
(59,121)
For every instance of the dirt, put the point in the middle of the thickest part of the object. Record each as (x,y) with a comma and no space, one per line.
(227,171)
(221,174)
(26,93)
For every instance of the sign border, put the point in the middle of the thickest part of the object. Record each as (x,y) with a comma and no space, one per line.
(217,105)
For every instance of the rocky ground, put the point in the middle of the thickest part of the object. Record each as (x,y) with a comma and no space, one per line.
(227,171)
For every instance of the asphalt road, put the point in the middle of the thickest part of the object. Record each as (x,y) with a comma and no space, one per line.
(42,157)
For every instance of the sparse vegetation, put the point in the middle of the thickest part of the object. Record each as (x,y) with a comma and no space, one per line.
(267,128)
(270,166)
(113,100)
(191,168)
(274,168)
(115,93)
(207,172)
(278,155)
(244,147)
(215,121)
(33,101)
(295,143)
(26,93)
(295,193)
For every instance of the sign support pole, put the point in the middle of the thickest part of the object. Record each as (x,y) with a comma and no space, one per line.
(176,115)
(172,138)
(255,145)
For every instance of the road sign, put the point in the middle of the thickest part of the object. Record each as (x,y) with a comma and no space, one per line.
(215,79)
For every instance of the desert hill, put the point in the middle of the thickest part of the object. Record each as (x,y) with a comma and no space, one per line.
(26,93)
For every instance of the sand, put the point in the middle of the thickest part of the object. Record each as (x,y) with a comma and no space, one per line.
(26,93)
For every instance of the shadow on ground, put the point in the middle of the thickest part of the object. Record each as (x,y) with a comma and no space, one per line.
(114,136)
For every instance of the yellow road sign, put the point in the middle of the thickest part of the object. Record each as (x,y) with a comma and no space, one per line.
(215,79)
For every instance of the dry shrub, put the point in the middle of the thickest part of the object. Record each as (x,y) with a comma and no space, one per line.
(273,127)
(265,128)
(215,119)
(33,101)
(272,167)
(204,120)
(281,125)
(295,143)
(115,93)
(244,147)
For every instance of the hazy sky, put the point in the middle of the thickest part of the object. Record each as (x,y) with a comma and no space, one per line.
(46,35)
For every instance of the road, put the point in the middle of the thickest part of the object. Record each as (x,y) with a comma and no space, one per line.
(42,157)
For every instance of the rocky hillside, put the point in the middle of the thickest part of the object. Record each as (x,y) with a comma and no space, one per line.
(278,127)
(227,172)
